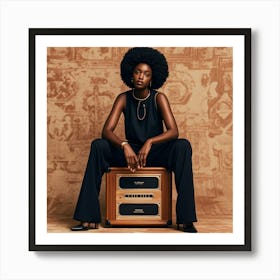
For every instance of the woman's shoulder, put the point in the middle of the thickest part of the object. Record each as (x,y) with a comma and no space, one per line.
(122,95)
(121,99)
(161,100)
(160,96)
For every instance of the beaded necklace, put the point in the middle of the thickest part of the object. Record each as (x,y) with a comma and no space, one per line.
(139,104)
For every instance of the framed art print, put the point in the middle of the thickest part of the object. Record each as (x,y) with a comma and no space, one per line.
(74,78)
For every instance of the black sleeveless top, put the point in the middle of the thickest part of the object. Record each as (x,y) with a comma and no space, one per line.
(142,118)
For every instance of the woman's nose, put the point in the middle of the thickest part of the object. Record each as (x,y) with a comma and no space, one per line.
(141,76)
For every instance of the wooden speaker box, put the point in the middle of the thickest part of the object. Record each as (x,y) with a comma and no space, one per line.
(141,198)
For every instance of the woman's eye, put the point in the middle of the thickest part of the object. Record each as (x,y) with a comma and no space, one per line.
(137,72)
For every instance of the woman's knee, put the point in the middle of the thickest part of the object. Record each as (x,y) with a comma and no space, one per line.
(183,145)
(99,144)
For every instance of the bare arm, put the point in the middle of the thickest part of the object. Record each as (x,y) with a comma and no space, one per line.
(170,133)
(108,132)
(169,121)
(112,121)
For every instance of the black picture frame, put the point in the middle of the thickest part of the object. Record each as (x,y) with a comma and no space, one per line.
(35,33)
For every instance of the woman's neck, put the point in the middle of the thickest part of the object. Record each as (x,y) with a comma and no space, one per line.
(141,93)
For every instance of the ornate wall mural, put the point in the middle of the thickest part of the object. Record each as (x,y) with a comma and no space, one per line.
(82,85)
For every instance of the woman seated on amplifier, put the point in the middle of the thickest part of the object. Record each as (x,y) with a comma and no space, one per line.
(147,144)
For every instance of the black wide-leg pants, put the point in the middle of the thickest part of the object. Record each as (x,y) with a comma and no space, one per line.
(175,155)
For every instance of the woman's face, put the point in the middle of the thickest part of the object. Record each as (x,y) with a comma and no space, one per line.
(142,76)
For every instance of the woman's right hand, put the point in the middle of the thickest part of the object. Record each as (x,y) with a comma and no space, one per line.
(131,158)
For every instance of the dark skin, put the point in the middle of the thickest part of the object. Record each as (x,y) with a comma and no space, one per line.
(142,77)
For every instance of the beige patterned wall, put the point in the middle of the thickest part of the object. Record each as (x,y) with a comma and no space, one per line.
(82,84)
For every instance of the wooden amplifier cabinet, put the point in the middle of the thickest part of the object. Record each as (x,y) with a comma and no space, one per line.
(142,198)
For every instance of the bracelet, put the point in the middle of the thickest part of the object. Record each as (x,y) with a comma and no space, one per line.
(123,143)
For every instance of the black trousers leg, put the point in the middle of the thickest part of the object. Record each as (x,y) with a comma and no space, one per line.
(177,156)
(102,156)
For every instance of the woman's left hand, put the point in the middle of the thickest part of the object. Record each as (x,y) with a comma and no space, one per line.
(143,153)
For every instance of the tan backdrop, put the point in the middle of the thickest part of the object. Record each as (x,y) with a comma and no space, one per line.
(82,85)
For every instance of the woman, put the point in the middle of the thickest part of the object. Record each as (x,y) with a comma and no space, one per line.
(145,110)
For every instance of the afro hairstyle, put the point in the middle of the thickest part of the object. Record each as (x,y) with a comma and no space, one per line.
(150,56)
